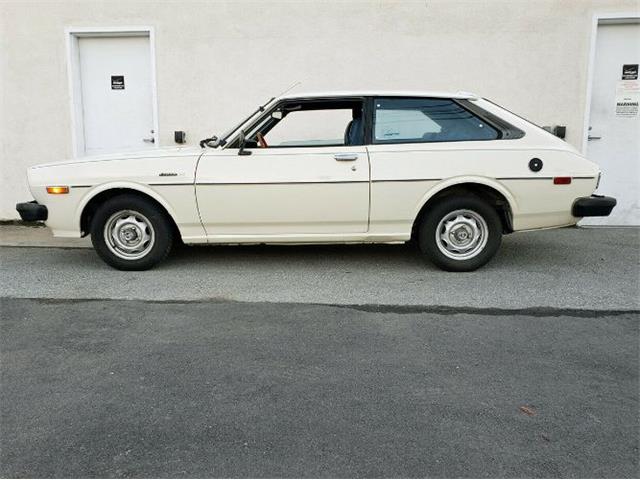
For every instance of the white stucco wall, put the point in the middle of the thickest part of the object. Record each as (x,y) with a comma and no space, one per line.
(217,60)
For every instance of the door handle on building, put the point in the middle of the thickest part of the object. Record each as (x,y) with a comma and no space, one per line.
(152,139)
(589,137)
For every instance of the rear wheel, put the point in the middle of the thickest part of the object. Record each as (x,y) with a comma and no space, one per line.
(131,233)
(460,234)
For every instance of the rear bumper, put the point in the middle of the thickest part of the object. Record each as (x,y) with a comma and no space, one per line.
(593,206)
(32,211)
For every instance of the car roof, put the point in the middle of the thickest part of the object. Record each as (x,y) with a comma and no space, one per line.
(379,93)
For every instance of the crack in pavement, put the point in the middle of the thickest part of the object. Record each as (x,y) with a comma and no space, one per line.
(545,312)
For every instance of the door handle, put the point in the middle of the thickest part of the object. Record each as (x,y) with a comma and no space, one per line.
(593,138)
(346,157)
(149,140)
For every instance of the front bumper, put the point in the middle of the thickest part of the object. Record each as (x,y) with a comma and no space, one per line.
(32,211)
(593,206)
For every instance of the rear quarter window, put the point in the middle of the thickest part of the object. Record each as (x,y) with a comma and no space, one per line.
(424,120)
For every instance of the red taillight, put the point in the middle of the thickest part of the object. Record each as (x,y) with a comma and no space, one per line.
(561,180)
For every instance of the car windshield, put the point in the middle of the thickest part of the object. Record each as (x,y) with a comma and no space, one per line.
(228,133)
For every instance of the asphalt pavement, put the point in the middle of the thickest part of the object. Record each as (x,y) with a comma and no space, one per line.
(322,361)
(564,270)
(206,389)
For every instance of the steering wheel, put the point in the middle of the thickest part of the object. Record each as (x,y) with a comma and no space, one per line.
(261,141)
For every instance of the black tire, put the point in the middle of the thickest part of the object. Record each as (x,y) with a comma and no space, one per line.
(432,218)
(150,219)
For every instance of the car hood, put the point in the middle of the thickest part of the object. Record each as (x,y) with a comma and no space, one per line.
(148,153)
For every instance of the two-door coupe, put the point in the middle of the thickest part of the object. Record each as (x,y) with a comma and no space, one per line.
(452,171)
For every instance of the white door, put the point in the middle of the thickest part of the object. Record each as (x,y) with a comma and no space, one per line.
(614,142)
(115,76)
(309,181)
(284,192)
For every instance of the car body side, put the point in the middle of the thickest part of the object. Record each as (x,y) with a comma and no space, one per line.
(393,183)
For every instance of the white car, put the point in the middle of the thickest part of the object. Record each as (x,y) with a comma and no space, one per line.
(452,171)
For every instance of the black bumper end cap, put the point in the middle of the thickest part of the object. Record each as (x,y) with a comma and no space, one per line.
(593,206)
(32,211)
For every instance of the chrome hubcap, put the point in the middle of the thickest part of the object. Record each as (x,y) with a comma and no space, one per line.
(129,235)
(462,234)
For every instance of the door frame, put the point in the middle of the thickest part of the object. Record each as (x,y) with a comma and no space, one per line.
(72,34)
(599,19)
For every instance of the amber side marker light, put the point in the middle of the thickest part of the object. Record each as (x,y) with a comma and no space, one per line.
(561,180)
(57,190)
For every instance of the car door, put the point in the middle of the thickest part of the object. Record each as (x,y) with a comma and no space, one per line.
(309,180)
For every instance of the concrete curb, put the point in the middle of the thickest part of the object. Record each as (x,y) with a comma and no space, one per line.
(36,235)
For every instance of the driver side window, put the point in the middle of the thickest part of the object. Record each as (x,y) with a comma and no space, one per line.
(311,124)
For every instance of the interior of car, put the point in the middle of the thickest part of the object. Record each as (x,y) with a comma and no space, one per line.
(309,123)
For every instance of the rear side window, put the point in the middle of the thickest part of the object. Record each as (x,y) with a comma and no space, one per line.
(417,120)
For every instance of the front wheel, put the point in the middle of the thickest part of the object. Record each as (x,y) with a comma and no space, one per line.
(460,234)
(131,233)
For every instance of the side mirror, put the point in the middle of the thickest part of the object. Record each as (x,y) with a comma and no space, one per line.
(241,141)
(212,142)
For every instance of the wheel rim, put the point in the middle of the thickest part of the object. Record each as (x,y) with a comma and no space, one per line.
(129,235)
(462,234)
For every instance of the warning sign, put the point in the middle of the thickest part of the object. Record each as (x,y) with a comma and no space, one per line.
(627,97)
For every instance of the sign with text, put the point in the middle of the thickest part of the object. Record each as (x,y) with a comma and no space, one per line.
(627,98)
(117,82)
(630,72)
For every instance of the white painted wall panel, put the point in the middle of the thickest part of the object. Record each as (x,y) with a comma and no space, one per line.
(218,60)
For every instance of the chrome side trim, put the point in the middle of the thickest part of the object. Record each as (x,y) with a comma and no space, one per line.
(541,178)
(408,180)
(524,178)
(281,183)
(169,184)
(399,180)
